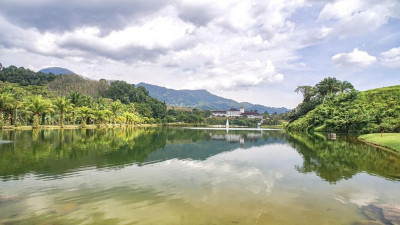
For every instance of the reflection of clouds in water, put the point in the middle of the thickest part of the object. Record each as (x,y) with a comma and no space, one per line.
(357,197)
(362,199)
(246,177)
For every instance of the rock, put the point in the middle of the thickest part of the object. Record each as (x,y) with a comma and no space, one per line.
(385,214)
(391,213)
(372,213)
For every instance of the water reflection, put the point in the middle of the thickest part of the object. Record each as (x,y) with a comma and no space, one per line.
(55,152)
(177,176)
(342,158)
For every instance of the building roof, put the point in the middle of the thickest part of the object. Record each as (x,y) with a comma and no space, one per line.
(233,109)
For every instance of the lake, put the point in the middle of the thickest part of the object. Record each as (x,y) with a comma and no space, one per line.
(182,176)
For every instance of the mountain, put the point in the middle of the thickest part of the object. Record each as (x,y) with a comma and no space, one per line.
(56,70)
(202,99)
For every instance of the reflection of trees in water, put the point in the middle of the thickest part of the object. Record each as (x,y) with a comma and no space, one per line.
(52,152)
(343,158)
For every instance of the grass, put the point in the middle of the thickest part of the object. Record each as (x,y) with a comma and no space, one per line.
(389,140)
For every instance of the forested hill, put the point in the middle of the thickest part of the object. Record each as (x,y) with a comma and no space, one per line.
(202,99)
(56,70)
(352,112)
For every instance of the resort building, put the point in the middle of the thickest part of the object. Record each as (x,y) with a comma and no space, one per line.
(233,112)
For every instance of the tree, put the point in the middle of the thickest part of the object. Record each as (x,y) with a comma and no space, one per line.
(115,108)
(63,105)
(76,99)
(328,85)
(306,91)
(38,105)
(85,113)
(345,86)
(6,100)
(101,116)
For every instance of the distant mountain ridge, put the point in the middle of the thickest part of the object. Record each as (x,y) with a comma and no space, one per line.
(56,70)
(203,99)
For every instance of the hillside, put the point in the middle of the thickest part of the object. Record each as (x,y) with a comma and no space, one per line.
(56,70)
(202,99)
(370,111)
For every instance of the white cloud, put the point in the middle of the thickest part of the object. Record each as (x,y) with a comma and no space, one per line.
(355,60)
(233,75)
(222,45)
(391,58)
(356,17)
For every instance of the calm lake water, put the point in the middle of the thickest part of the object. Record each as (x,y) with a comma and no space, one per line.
(179,176)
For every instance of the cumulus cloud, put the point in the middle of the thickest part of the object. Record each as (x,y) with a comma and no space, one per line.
(354,60)
(355,17)
(219,45)
(234,75)
(59,16)
(391,58)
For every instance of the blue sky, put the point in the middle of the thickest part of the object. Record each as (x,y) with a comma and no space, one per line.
(249,50)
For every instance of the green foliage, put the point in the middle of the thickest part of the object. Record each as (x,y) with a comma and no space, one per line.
(24,77)
(127,93)
(63,105)
(65,84)
(352,112)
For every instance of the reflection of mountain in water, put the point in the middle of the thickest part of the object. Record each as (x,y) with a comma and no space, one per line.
(343,158)
(51,152)
(60,152)
(219,142)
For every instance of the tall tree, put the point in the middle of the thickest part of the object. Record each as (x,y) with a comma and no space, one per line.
(328,85)
(306,91)
(115,108)
(63,105)
(38,105)
(345,86)
(6,102)
(85,113)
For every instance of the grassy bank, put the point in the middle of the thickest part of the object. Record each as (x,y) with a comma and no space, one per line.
(389,140)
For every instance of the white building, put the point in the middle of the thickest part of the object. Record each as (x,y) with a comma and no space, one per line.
(233,112)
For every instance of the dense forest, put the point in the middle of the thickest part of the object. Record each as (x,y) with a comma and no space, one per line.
(29,98)
(335,106)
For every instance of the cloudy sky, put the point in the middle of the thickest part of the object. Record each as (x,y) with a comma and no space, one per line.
(248,50)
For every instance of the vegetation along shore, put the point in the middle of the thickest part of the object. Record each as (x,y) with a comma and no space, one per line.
(47,101)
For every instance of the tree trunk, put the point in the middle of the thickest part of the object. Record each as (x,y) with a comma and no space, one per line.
(62,119)
(36,123)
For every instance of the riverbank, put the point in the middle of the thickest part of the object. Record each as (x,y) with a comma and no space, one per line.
(387,140)
(103,126)
(92,126)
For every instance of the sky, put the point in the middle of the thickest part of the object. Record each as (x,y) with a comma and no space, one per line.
(257,51)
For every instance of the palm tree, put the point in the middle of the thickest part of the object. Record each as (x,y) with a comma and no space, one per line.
(307,92)
(63,105)
(76,100)
(85,112)
(6,100)
(101,116)
(345,86)
(328,85)
(115,108)
(38,105)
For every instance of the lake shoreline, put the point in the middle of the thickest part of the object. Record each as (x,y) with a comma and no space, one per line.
(383,141)
(109,126)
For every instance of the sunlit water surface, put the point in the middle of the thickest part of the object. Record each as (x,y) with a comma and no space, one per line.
(179,176)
